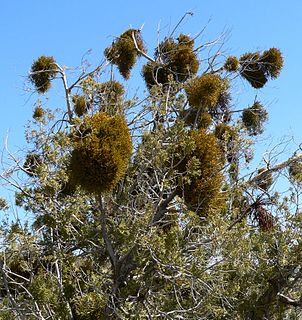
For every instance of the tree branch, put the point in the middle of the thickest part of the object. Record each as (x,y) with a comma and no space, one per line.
(262,175)
(139,50)
(112,255)
(290,301)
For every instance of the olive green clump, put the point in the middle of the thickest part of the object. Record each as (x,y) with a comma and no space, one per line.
(295,171)
(123,52)
(100,158)
(184,39)
(254,117)
(202,192)
(251,70)
(272,61)
(205,91)
(175,60)
(43,70)
(38,113)
(155,73)
(80,105)
(231,64)
(258,68)
(31,164)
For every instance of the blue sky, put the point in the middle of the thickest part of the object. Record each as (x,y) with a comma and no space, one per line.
(67,29)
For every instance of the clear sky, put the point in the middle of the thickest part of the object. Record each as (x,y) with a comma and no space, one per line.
(66,29)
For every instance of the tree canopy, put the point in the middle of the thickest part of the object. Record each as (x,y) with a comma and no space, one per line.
(145,207)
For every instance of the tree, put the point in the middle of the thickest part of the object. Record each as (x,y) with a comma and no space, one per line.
(144,209)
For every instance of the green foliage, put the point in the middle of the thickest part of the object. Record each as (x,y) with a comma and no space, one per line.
(204,91)
(174,60)
(175,227)
(101,156)
(43,70)
(257,68)
(123,52)
(254,117)
(90,306)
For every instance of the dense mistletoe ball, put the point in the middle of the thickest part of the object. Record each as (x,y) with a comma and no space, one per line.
(100,158)
(231,64)
(202,191)
(272,62)
(257,68)
(80,105)
(123,52)
(205,91)
(174,60)
(43,70)
(251,70)
(254,117)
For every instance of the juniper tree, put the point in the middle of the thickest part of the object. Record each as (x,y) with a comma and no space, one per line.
(143,208)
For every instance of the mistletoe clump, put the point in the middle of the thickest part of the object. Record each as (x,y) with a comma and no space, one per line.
(257,69)
(123,51)
(43,70)
(272,61)
(155,73)
(205,91)
(100,157)
(80,105)
(231,64)
(174,60)
(254,117)
(201,187)
(38,113)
